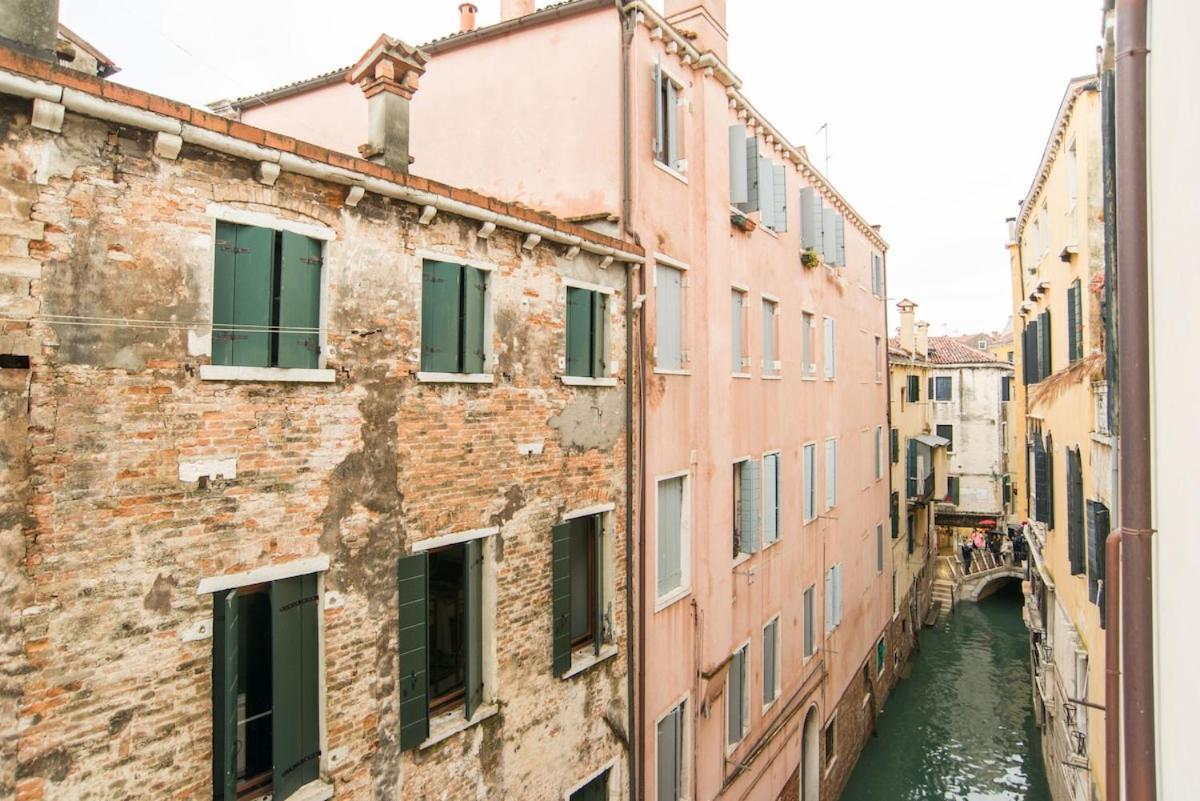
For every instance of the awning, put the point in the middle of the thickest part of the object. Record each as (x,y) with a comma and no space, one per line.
(932,440)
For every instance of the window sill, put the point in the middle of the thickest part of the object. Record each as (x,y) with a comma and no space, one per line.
(585,658)
(740,559)
(445,726)
(664,371)
(772,377)
(456,378)
(671,171)
(809,377)
(296,375)
(586,381)
(741,375)
(671,599)
(316,790)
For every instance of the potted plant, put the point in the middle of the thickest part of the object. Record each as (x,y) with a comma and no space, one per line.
(810,258)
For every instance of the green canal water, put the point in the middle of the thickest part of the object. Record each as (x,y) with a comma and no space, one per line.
(961,727)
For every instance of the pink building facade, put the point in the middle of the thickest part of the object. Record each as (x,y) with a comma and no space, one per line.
(762,570)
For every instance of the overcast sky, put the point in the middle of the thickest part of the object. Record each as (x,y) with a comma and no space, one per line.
(938,110)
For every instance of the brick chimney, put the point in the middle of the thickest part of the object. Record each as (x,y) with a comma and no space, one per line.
(511,9)
(908,311)
(922,343)
(705,19)
(388,74)
(466,17)
(30,26)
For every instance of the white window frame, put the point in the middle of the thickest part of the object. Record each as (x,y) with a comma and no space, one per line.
(612,768)
(736,474)
(774,370)
(810,480)
(685,745)
(684,589)
(808,334)
(777,690)
(879,455)
(778,454)
(746,697)
(684,356)
(829,348)
(679,169)
(831,478)
(743,293)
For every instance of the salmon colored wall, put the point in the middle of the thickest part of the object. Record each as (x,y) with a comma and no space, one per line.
(333,116)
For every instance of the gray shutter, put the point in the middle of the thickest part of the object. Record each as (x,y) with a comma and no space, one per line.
(879,547)
(1049,481)
(735,324)
(811,219)
(672,123)
(598,586)
(473,597)
(670,551)
(414,650)
(768,337)
(738,174)
(1097,526)
(1046,356)
(831,473)
(829,235)
(840,233)
(766,193)
(560,561)
(751,504)
(771,498)
(779,171)
(294,704)
(837,594)
(669,744)
(659,133)
(733,697)
(769,635)
(669,318)
(225,695)
(752,176)
(809,633)
(829,622)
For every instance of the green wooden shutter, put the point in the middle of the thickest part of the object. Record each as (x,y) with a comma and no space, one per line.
(1049,481)
(225,693)
(253,296)
(474,350)
(299,301)
(224,287)
(1071,324)
(914,389)
(894,513)
(579,323)
(473,584)
(599,339)
(440,314)
(1045,356)
(295,730)
(1076,532)
(895,446)
(560,592)
(414,650)
(598,562)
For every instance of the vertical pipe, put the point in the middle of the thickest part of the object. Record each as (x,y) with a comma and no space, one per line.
(1133,329)
(1112,667)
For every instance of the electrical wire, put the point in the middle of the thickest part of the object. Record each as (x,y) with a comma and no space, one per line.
(83,321)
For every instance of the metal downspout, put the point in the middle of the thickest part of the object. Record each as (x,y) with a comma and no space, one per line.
(1133,329)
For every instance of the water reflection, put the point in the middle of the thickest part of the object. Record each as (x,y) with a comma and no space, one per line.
(961,727)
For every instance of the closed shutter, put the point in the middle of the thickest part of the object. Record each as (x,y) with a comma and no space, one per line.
(779,172)
(440,312)
(659,133)
(766,193)
(914,389)
(224,291)
(768,337)
(840,232)
(910,469)
(753,178)
(672,122)
(831,473)
(670,510)
(811,220)
(1098,527)
(830,623)
(473,600)
(579,324)
(414,650)
(830,348)
(474,296)
(597,523)
(295,734)
(669,318)
(895,446)
(738,189)
(599,334)
(770,498)
(879,548)
(735,325)
(560,561)
(1046,365)
(894,514)
(734,696)
(1040,492)
(809,633)
(1075,512)
(225,695)
(299,302)
(810,482)
(1049,482)
(829,235)
(669,750)
(768,688)
(243,295)
(1028,354)
(1071,323)
(751,504)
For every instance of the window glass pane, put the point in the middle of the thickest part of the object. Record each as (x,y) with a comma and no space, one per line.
(254,718)
(670,557)
(583,571)
(447,618)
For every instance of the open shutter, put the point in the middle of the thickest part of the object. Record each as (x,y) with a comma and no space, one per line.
(733,698)
(768,338)
(254,293)
(225,695)
(474,296)
(839,227)
(668,753)
(735,325)
(829,605)
(779,173)
(1071,324)
(473,597)
(766,193)
(299,302)
(440,312)
(670,547)
(768,684)
(751,505)
(1097,533)
(894,514)
(659,133)
(829,235)
(560,578)
(1047,365)
(224,290)
(1075,512)
(831,473)
(669,318)
(809,633)
(895,446)
(752,175)
(414,650)
(579,324)
(294,733)
(770,498)
(914,389)
(672,123)
(811,219)
(1049,481)
(598,583)
(599,337)
(738,189)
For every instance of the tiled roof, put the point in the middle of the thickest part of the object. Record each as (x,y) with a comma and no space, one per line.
(945,350)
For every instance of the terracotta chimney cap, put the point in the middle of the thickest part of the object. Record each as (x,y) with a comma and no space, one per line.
(466,17)
(392,61)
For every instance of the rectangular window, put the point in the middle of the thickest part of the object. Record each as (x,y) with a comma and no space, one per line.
(453,311)
(895,446)
(737,696)
(946,432)
(808,333)
(771,363)
(831,473)
(877,275)
(586,326)
(810,482)
(1072,175)
(878,358)
(266,736)
(833,598)
(914,389)
(830,348)
(669,752)
(747,491)
(879,548)
(810,639)
(771,498)
(668,293)
(879,457)
(1006,388)
(1075,322)
(667,128)
(812,223)
(577,581)
(770,662)
(830,741)
(672,535)
(737,327)
(942,388)
(266,298)
(952,489)
(595,790)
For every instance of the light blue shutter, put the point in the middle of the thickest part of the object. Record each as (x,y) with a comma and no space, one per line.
(669,760)
(829,235)
(752,176)
(768,331)
(810,481)
(766,192)
(672,123)
(840,228)
(738,191)
(735,324)
(659,133)
(810,220)
(780,174)
(830,473)
(829,604)
(669,318)
(751,505)
(771,498)
(670,511)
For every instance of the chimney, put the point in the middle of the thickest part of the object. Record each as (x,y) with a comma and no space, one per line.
(388,75)
(466,17)
(30,26)
(907,313)
(922,343)
(703,20)
(511,9)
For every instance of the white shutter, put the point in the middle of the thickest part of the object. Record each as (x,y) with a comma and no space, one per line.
(830,348)
(672,124)
(669,317)
(831,473)
(839,225)
(766,193)
(659,133)
(770,498)
(738,176)
(829,235)
(810,219)
(779,172)
(751,505)
(736,326)
(830,605)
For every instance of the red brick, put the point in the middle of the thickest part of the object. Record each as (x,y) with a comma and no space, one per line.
(279,141)
(124,94)
(247,132)
(171,108)
(211,122)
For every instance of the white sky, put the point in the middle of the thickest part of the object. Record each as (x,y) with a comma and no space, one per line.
(938,110)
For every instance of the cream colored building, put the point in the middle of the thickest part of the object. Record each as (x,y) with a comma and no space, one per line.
(1058,273)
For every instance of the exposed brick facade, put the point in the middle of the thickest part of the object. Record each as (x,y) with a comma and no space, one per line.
(107,669)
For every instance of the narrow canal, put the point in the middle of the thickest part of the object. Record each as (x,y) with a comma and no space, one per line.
(961,727)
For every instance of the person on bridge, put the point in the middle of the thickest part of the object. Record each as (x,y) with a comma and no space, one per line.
(1006,550)
(979,541)
(966,549)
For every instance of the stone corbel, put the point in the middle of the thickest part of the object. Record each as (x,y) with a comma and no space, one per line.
(531,242)
(427,215)
(571,253)
(656,33)
(605,262)
(353,195)
(485,230)
(267,173)
(48,116)
(673,47)
(167,146)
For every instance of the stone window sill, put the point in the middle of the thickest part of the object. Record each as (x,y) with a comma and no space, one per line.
(316,790)
(772,377)
(587,381)
(586,658)
(443,727)
(224,372)
(743,375)
(671,171)
(671,598)
(664,371)
(456,378)
(740,558)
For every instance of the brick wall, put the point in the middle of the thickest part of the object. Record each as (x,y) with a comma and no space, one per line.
(116,701)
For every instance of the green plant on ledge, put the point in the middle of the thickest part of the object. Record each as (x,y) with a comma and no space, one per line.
(810,258)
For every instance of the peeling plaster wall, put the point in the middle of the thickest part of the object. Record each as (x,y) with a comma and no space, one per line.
(117,698)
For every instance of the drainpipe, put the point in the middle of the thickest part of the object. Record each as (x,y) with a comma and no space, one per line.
(1133,338)
(1112,667)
